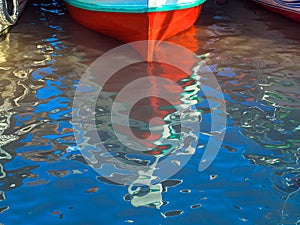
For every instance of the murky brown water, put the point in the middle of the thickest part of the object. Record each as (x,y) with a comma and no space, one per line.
(255,56)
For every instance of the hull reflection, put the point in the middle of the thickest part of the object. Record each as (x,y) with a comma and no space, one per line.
(155,122)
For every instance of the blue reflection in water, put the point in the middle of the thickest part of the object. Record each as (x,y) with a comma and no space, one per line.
(255,178)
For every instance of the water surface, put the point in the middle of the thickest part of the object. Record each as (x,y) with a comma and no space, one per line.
(254,55)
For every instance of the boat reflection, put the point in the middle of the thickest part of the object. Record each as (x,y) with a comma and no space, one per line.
(154,122)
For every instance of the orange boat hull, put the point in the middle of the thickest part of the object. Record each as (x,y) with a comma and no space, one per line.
(129,27)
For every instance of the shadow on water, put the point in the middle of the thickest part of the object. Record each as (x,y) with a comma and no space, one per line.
(255,57)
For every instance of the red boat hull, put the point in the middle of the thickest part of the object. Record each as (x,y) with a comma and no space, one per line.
(129,27)
(285,11)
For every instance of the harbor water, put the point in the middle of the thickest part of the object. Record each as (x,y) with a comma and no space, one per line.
(254,56)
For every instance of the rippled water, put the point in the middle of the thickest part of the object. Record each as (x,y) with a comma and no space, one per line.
(255,178)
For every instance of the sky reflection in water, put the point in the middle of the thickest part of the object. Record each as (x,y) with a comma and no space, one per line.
(254,55)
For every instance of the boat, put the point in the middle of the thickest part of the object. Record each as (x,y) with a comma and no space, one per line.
(10,10)
(136,20)
(288,8)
